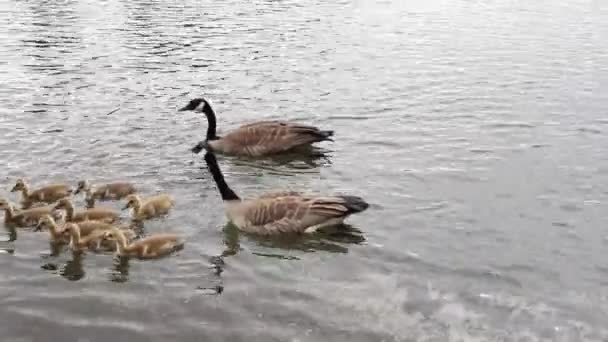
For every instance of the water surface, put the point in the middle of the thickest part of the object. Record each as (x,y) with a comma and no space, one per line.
(476,129)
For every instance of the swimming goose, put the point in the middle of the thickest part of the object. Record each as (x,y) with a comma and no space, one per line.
(255,139)
(283,212)
(153,246)
(47,194)
(104,192)
(57,233)
(22,218)
(79,242)
(94,239)
(150,207)
(94,214)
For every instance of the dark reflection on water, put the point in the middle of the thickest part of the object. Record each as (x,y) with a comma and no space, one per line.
(473,128)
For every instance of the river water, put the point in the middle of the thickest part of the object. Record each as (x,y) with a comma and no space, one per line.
(477,130)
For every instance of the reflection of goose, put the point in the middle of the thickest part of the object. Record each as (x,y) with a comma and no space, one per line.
(283,212)
(258,138)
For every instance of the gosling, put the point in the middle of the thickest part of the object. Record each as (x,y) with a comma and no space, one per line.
(154,246)
(94,240)
(150,207)
(58,234)
(94,214)
(48,194)
(22,218)
(104,192)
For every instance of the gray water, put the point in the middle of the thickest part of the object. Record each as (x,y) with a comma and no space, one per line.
(477,130)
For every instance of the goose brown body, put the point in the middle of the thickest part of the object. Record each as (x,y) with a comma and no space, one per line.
(151,207)
(153,246)
(23,218)
(257,138)
(47,194)
(283,212)
(105,192)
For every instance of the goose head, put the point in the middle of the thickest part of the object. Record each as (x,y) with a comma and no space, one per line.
(197,105)
(83,185)
(20,185)
(133,201)
(203,145)
(62,204)
(44,222)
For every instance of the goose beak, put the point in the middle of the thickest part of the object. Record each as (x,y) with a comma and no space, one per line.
(198,148)
(77,191)
(14,189)
(125,207)
(183,109)
(38,227)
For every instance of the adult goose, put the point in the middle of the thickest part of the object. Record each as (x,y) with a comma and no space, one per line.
(257,138)
(283,212)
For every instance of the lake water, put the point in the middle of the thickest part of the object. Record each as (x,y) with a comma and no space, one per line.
(477,130)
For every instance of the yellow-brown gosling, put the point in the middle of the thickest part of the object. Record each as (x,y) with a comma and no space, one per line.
(85,228)
(104,192)
(93,214)
(257,138)
(47,194)
(22,218)
(150,207)
(57,233)
(153,246)
(283,212)
(95,239)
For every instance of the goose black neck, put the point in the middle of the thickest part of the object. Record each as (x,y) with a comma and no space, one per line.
(211,127)
(218,177)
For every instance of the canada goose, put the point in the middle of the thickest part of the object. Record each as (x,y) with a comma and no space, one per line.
(283,212)
(47,194)
(150,207)
(98,214)
(95,237)
(86,228)
(79,242)
(104,192)
(257,138)
(153,246)
(57,233)
(22,218)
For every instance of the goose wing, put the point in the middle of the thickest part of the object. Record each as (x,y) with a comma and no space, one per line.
(273,136)
(297,213)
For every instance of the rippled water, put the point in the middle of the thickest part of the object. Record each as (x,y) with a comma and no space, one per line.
(477,130)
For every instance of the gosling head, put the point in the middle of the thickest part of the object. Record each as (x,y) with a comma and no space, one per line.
(112,234)
(83,185)
(62,203)
(132,202)
(44,222)
(72,227)
(198,105)
(20,185)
